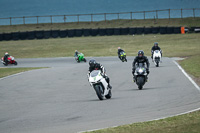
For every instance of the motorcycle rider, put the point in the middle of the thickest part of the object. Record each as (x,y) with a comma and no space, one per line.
(76,54)
(140,59)
(155,47)
(93,65)
(120,50)
(6,57)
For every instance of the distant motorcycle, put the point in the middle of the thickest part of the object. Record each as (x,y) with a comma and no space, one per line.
(157,57)
(11,60)
(123,56)
(98,82)
(80,58)
(140,75)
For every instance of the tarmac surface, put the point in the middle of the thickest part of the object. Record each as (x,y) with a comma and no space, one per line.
(59,98)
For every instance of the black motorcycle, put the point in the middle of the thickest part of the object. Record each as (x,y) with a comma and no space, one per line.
(140,75)
(123,56)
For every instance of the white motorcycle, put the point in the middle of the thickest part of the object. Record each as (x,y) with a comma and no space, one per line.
(98,82)
(157,57)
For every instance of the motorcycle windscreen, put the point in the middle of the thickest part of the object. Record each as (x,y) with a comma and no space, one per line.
(94,73)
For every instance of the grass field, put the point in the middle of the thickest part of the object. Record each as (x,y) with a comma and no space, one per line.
(187,22)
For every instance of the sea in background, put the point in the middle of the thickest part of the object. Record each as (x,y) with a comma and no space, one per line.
(21,8)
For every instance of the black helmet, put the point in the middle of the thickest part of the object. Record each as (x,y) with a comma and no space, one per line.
(156,44)
(92,63)
(140,53)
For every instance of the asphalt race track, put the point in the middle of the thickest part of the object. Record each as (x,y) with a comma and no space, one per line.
(59,99)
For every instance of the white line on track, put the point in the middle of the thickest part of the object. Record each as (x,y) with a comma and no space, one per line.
(183,71)
(11,75)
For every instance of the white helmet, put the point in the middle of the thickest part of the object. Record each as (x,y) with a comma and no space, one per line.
(6,53)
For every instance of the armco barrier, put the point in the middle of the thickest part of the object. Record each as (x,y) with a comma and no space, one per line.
(139,30)
(155,30)
(23,35)
(47,34)
(78,32)
(102,32)
(170,30)
(55,33)
(86,32)
(7,36)
(124,31)
(147,30)
(117,31)
(39,34)
(71,33)
(95,32)
(15,36)
(177,30)
(31,35)
(132,31)
(110,31)
(63,33)
(163,30)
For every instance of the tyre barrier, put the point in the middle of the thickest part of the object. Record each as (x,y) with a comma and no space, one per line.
(155,30)
(117,31)
(47,34)
(170,30)
(15,36)
(63,33)
(132,31)
(1,37)
(94,32)
(39,34)
(78,32)
(140,30)
(109,31)
(23,35)
(163,30)
(147,30)
(177,30)
(55,33)
(7,36)
(124,31)
(102,32)
(86,32)
(31,35)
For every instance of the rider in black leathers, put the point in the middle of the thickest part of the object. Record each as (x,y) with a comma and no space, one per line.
(93,65)
(155,47)
(120,50)
(140,59)
(6,57)
(76,54)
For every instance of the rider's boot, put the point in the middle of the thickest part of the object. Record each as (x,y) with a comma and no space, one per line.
(109,86)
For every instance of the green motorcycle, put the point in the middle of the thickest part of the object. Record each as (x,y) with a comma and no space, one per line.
(80,58)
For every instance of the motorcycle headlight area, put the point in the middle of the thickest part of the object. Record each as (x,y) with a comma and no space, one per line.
(140,70)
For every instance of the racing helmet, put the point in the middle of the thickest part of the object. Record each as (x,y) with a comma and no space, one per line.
(156,44)
(140,53)
(92,63)
(119,48)
(6,53)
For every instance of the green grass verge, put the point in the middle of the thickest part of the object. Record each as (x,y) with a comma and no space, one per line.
(9,71)
(188,123)
(172,45)
(187,22)
(191,65)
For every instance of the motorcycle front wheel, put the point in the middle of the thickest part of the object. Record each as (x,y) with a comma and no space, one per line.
(109,95)
(99,91)
(140,82)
